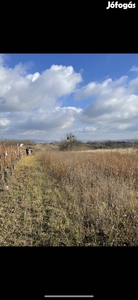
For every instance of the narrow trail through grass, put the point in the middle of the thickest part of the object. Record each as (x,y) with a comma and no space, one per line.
(23,214)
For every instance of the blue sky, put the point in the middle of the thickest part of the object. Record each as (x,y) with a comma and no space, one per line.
(46,96)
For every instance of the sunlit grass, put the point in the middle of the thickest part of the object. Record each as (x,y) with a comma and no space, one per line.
(72,199)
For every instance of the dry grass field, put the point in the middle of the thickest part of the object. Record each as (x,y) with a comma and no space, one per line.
(74,198)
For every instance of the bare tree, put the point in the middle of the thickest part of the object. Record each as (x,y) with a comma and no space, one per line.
(69,142)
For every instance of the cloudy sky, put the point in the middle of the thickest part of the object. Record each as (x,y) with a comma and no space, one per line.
(46,96)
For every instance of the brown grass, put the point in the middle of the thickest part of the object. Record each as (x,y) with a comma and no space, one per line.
(98,202)
(72,199)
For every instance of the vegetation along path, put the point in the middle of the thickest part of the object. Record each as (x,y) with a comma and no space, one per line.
(59,199)
(24,218)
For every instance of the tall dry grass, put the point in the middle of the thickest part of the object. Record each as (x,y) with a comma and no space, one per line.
(97,202)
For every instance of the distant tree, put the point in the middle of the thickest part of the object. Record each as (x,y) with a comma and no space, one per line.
(69,142)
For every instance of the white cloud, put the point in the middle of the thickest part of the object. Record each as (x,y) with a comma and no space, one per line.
(134,69)
(4,122)
(20,93)
(113,107)
(95,88)
(57,118)
(31,104)
(133,85)
(123,126)
(33,77)
(87,129)
(3,59)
